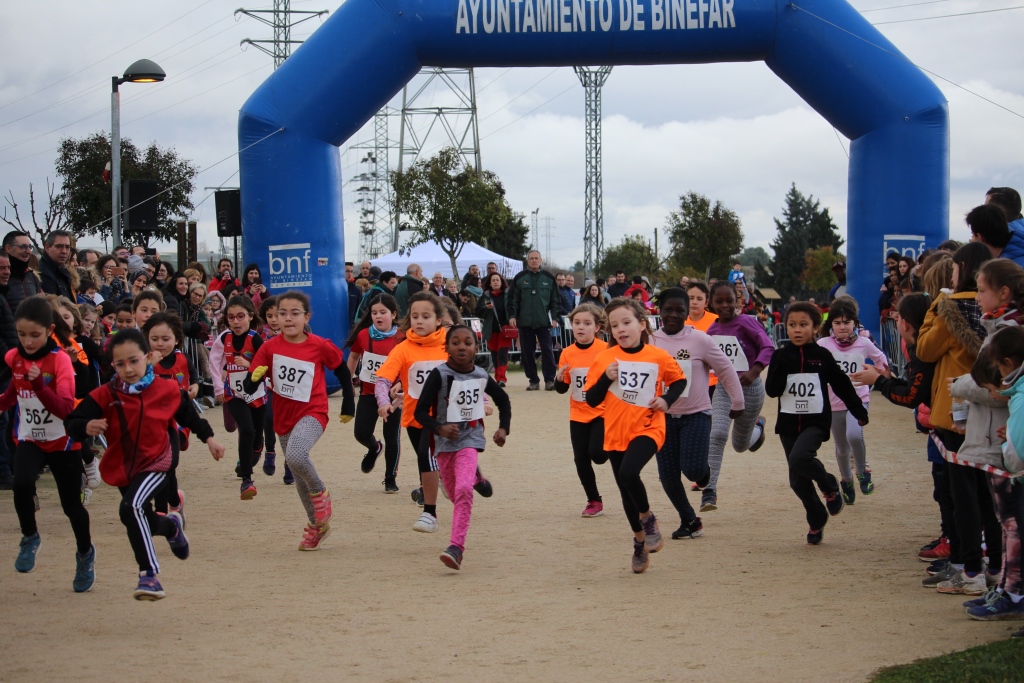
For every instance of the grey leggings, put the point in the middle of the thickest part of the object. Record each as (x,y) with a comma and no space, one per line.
(296,445)
(849,437)
(721,404)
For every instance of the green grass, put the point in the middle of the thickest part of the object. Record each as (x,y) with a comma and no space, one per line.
(999,662)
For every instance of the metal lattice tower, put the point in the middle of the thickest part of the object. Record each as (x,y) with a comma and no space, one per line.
(375,224)
(438,102)
(593,79)
(282,19)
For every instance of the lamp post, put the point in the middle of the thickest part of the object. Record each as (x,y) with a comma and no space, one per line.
(142,71)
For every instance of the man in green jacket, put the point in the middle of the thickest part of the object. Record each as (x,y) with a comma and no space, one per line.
(532,305)
(411,283)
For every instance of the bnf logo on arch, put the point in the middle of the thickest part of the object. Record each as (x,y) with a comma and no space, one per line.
(289,265)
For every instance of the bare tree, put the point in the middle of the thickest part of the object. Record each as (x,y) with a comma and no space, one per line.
(54,217)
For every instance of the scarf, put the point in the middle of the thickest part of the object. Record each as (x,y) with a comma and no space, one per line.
(844,343)
(139,386)
(996,314)
(377,335)
(433,339)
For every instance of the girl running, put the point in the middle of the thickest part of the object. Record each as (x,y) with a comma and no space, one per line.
(626,378)
(409,363)
(136,411)
(43,389)
(294,359)
(688,422)
(586,424)
(230,359)
(749,348)
(491,310)
(371,340)
(166,337)
(700,318)
(851,350)
(268,314)
(451,407)
(797,375)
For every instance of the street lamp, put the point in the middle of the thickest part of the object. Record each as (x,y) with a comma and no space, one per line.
(142,71)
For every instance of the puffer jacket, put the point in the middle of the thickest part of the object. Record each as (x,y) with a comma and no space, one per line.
(1014,249)
(949,340)
(1013,449)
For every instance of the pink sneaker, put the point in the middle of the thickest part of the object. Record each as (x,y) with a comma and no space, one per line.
(322,508)
(595,508)
(313,536)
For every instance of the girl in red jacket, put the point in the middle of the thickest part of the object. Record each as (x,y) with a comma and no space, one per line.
(136,410)
(43,388)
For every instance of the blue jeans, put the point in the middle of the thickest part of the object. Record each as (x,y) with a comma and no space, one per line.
(528,338)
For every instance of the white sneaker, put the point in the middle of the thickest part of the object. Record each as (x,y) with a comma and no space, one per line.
(92,474)
(426,524)
(961,584)
(86,495)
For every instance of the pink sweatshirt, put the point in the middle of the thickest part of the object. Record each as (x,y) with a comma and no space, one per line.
(696,352)
(851,359)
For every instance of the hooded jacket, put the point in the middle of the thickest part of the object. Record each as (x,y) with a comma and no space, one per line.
(1014,249)
(1013,449)
(404,290)
(23,283)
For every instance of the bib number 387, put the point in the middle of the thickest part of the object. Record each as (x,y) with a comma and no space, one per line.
(803,394)
(293,378)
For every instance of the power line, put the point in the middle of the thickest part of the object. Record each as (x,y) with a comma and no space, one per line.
(946,16)
(542,104)
(505,106)
(913,4)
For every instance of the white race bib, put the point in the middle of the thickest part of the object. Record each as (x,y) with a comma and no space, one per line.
(371,364)
(578,380)
(235,380)
(731,347)
(466,400)
(637,384)
(37,423)
(687,367)
(293,378)
(418,372)
(803,394)
(850,362)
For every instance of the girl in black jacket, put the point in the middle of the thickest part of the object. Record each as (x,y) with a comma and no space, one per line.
(798,376)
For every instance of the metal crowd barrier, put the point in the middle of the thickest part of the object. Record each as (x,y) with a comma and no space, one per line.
(892,347)
(779,336)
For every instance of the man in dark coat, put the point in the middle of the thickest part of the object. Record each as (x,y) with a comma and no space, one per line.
(23,283)
(53,270)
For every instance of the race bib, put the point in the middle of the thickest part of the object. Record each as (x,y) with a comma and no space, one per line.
(578,380)
(637,384)
(850,362)
(418,372)
(466,400)
(235,380)
(371,364)
(687,367)
(293,378)
(37,423)
(803,394)
(731,347)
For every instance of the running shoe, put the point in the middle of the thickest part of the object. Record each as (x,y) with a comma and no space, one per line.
(849,492)
(256,455)
(945,574)
(27,550)
(179,508)
(426,524)
(992,594)
(323,510)
(238,469)
(179,541)
(931,544)
(313,536)
(834,503)
(534,386)
(652,532)
(92,474)
(482,485)
(417,496)
(549,386)
(692,529)
(390,486)
(595,508)
(248,489)
(866,487)
(993,578)
(708,500)
(703,482)
(370,459)
(695,486)
(1002,608)
(270,463)
(288,478)
(936,567)
(85,571)
(452,557)
(86,495)
(759,441)
(149,588)
(501,384)
(815,537)
(961,584)
(641,558)
(939,552)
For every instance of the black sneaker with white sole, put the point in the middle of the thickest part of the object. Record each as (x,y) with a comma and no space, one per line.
(693,529)
(370,459)
(760,439)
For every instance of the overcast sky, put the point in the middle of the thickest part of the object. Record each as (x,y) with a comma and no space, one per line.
(733,132)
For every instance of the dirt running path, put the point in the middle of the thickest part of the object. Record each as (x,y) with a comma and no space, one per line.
(543,594)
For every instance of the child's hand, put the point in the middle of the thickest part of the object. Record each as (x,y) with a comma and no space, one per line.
(867,375)
(500,436)
(1001,432)
(450,432)
(258,373)
(193,391)
(562,370)
(488,409)
(240,360)
(384,411)
(345,419)
(32,373)
(658,403)
(735,414)
(216,450)
(612,372)
(862,423)
(747,378)
(95,427)
(219,399)
(396,389)
(399,402)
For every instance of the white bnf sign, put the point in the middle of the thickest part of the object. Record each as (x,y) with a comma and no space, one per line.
(289,265)
(904,245)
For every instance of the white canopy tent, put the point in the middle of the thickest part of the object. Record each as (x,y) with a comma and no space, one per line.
(432,259)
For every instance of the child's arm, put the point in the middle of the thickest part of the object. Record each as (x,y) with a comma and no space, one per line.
(428,398)
(765,350)
(727,377)
(217,365)
(563,380)
(843,388)
(59,396)
(9,397)
(500,398)
(187,416)
(597,392)
(257,369)
(964,387)
(775,382)
(88,412)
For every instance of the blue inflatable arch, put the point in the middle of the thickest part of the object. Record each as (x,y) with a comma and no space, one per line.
(829,54)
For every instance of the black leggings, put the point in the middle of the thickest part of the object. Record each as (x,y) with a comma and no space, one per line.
(66,468)
(269,436)
(168,493)
(422,441)
(141,522)
(626,466)
(805,470)
(366,422)
(587,448)
(687,441)
(250,439)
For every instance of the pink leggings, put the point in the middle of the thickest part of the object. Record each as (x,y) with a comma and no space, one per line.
(458,472)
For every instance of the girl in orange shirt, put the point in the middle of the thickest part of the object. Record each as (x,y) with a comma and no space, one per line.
(409,363)
(627,378)
(586,424)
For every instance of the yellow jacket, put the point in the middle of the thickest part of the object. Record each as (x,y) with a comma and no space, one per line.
(948,340)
